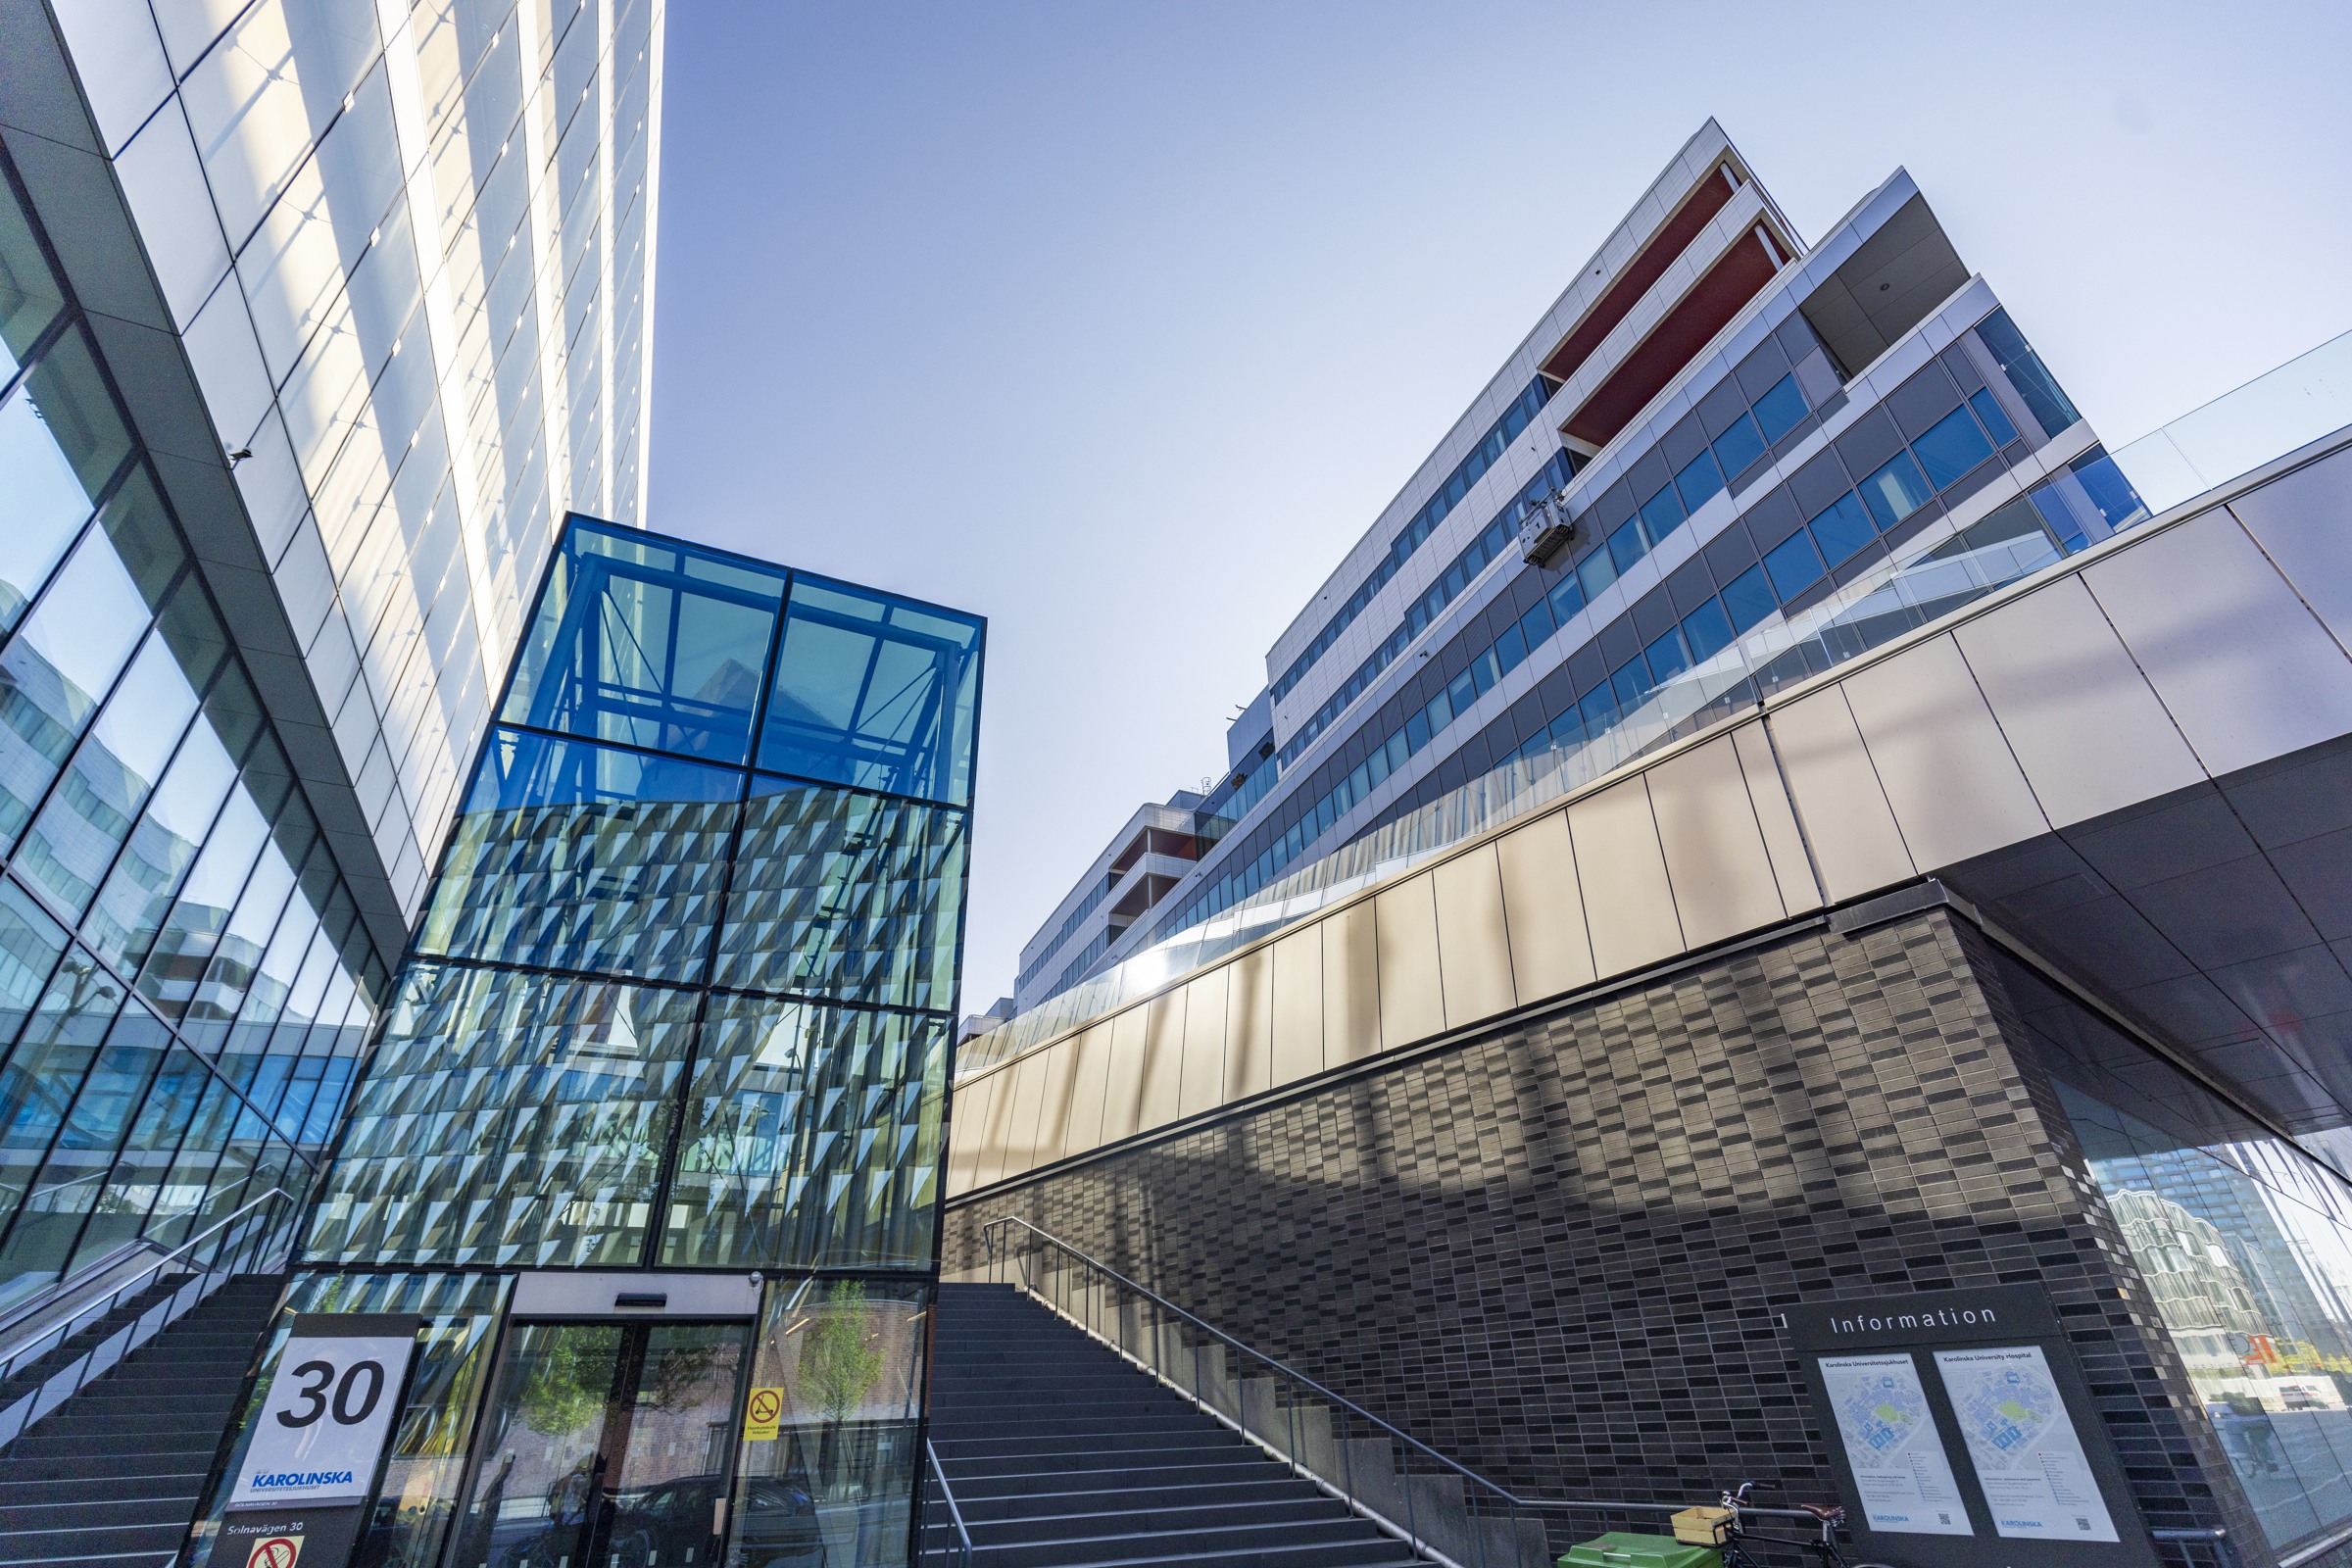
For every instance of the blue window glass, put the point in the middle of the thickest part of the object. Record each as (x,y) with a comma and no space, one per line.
(647,645)
(1841,528)
(1698,481)
(1629,682)
(1625,545)
(1895,491)
(573,855)
(1440,713)
(1537,624)
(1567,597)
(1988,413)
(1748,599)
(2044,398)
(1661,514)
(1416,732)
(2058,515)
(1707,630)
(1794,565)
(1594,574)
(2108,489)
(1952,446)
(1510,648)
(1598,708)
(875,692)
(1566,730)
(1464,688)
(1780,408)
(1667,656)
(1740,446)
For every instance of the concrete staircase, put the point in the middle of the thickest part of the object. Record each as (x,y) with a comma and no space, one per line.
(112,1476)
(1062,1454)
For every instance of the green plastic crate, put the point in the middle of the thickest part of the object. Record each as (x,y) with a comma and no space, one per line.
(1618,1549)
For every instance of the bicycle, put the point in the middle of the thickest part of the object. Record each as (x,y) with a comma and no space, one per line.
(1731,1532)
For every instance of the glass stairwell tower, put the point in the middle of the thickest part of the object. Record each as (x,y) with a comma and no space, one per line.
(654,1121)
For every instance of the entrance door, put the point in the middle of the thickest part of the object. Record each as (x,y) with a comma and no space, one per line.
(607,1446)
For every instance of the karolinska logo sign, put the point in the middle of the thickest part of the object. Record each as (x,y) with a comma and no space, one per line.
(303,1478)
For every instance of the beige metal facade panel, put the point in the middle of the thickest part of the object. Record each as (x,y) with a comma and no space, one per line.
(1412,997)
(1776,819)
(996,1131)
(1162,1071)
(967,1128)
(1628,900)
(2303,522)
(1122,1100)
(1474,941)
(1296,1050)
(1844,813)
(1021,1129)
(2243,667)
(1089,1081)
(1544,908)
(1715,857)
(1056,1098)
(1205,1007)
(2090,742)
(1942,762)
(1249,1024)
(1351,986)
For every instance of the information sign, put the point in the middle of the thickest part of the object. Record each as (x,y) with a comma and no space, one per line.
(1901,1472)
(326,1413)
(2028,1456)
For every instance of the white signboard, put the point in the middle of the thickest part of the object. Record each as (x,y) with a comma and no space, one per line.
(2028,1457)
(329,1409)
(1900,1468)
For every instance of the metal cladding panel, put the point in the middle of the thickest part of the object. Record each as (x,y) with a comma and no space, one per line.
(1163,1060)
(1623,875)
(1845,814)
(1776,819)
(967,1142)
(1412,998)
(2090,742)
(996,1131)
(1941,759)
(1351,986)
(1474,942)
(1054,1100)
(1249,1024)
(1123,1097)
(1715,856)
(2243,667)
(2303,521)
(1544,908)
(1297,1048)
(1204,1082)
(1021,1129)
(1089,1084)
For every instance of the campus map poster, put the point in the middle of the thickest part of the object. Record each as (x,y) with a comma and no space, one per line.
(1900,1468)
(2027,1456)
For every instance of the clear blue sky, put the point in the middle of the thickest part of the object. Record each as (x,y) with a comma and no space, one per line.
(1118,322)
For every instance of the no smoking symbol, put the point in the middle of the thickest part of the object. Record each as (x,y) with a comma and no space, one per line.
(278,1551)
(767,1406)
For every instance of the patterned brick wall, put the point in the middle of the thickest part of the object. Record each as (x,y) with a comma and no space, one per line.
(1556,1252)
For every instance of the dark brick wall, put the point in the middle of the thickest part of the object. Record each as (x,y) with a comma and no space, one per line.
(1556,1252)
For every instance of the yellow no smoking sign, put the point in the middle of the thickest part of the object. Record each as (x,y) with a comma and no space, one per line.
(762,1415)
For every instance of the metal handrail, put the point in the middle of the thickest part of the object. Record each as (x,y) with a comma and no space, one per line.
(37,1344)
(989,1234)
(963,1537)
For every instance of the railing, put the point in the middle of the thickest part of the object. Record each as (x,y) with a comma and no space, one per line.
(236,1243)
(960,1552)
(1445,1511)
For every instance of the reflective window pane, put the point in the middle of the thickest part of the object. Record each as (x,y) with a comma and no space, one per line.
(581,857)
(1952,446)
(31,943)
(57,669)
(507,1120)
(811,1139)
(41,506)
(1841,528)
(638,644)
(1794,565)
(845,895)
(1780,408)
(29,298)
(873,691)
(161,848)
(1897,490)
(1738,446)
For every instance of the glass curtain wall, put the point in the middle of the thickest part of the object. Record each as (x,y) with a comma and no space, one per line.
(2245,1243)
(184,981)
(683,992)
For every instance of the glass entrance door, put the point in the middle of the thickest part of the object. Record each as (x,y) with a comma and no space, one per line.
(607,1446)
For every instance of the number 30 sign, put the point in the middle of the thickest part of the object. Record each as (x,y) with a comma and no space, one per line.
(326,1412)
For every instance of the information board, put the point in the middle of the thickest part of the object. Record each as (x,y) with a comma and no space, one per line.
(2027,1456)
(1902,1477)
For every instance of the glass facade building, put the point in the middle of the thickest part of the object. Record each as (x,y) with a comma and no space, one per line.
(681,1000)
(315,320)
